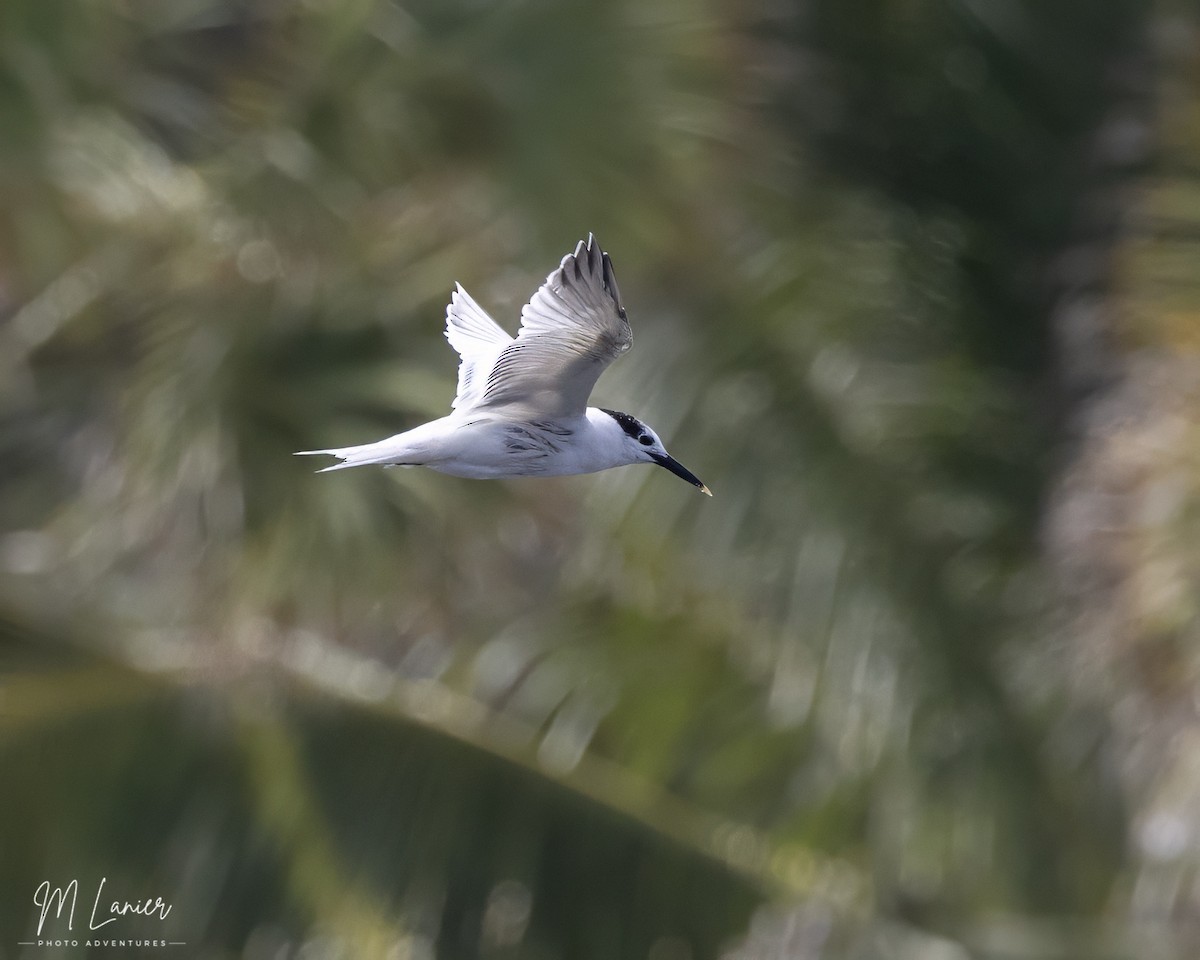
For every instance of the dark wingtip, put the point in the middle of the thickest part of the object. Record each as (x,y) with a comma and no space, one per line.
(598,262)
(580,249)
(610,284)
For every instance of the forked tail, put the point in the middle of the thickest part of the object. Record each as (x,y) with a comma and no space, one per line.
(359,456)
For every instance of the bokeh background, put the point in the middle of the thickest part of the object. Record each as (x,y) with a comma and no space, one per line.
(914,286)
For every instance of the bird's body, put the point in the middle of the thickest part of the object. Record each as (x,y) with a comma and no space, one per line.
(489,447)
(521,405)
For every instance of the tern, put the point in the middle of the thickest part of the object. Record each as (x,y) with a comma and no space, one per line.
(521,405)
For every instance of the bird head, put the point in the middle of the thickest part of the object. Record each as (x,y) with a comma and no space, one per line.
(640,444)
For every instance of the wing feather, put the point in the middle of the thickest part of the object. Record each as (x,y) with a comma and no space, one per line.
(479,341)
(571,330)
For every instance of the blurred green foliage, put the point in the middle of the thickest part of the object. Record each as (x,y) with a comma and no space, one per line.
(913,684)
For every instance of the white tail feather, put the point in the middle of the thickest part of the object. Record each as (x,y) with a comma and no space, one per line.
(387,452)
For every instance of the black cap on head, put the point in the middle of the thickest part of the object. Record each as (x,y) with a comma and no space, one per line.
(632,426)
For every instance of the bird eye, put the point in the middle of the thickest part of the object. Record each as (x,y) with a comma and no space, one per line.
(645,441)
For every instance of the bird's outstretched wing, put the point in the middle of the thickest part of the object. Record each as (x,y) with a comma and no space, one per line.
(571,330)
(479,341)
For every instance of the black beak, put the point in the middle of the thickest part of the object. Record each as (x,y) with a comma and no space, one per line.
(677,468)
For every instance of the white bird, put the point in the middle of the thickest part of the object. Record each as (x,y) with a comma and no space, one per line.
(521,407)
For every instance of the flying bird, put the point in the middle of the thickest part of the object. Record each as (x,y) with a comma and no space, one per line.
(521,406)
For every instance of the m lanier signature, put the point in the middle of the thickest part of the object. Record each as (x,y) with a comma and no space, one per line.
(47,897)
